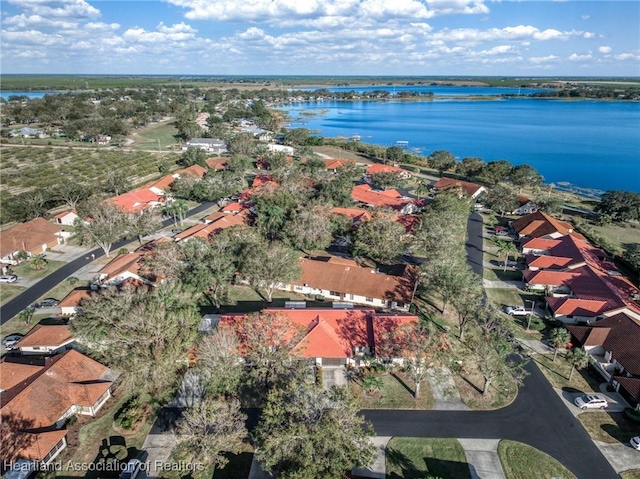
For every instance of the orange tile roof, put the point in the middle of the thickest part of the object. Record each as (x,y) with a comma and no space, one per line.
(466,186)
(346,277)
(539,224)
(233,207)
(136,200)
(357,215)
(12,374)
(193,170)
(380,168)
(334,163)
(540,244)
(163,183)
(28,236)
(38,445)
(576,307)
(74,298)
(67,379)
(384,199)
(219,222)
(217,163)
(547,262)
(47,335)
(333,333)
(122,263)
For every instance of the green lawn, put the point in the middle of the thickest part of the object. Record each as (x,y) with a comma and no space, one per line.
(396,393)
(419,458)
(519,461)
(500,274)
(246,299)
(25,270)
(558,373)
(8,292)
(611,427)
(64,288)
(505,296)
(147,138)
(630,474)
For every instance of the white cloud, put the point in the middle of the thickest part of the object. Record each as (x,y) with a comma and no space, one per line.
(585,17)
(574,57)
(68,9)
(35,21)
(543,60)
(605,49)
(173,33)
(627,56)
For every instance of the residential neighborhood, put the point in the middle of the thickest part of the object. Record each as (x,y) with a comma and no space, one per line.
(256,311)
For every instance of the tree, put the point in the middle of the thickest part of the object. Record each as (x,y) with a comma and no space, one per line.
(578,358)
(394,154)
(380,239)
(71,191)
(421,348)
(26,206)
(441,160)
(620,205)
(143,223)
(632,255)
(209,431)
(471,167)
(178,210)
(297,136)
(525,175)
(220,361)
(309,228)
(240,164)
(422,190)
(242,145)
(388,179)
(107,224)
(307,432)
(143,332)
(496,171)
(469,301)
(193,156)
(558,339)
(26,315)
(494,356)
(552,206)
(506,249)
(372,383)
(502,199)
(268,265)
(116,182)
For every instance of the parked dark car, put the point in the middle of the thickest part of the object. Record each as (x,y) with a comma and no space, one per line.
(48,303)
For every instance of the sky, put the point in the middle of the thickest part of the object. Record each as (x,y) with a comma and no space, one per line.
(321,37)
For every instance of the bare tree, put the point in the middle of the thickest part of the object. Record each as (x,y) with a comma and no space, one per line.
(220,361)
(106,225)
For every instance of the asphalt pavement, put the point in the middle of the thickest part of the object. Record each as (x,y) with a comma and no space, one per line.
(475,242)
(537,417)
(31,295)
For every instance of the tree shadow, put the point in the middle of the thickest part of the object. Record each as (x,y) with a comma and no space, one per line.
(403,384)
(479,390)
(399,459)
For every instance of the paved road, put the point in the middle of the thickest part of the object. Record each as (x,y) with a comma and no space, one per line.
(30,295)
(537,417)
(475,242)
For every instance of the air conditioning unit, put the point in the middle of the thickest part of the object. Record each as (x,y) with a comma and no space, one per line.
(295,304)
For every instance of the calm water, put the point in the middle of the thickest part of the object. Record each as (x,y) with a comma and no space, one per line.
(590,144)
(437,90)
(29,94)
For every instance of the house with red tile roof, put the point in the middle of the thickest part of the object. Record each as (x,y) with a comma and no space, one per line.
(380,168)
(472,189)
(357,215)
(333,164)
(342,279)
(123,267)
(542,225)
(43,396)
(137,200)
(70,304)
(213,224)
(33,237)
(333,337)
(613,344)
(66,218)
(217,164)
(387,199)
(46,340)
(566,252)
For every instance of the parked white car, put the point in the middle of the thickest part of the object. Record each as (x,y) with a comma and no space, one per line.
(8,278)
(591,401)
(635,443)
(516,311)
(11,340)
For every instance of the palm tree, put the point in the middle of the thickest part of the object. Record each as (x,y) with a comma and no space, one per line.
(38,262)
(506,248)
(178,209)
(421,190)
(578,358)
(558,339)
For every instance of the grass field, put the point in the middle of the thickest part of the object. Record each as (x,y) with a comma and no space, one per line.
(396,393)
(147,138)
(558,373)
(630,474)
(25,270)
(519,461)
(611,427)
(418,458)
(8,291)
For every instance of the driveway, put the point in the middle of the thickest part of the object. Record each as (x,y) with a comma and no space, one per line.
(537,417)
(475,242)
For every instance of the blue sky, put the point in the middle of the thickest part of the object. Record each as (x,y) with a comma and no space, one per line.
(321,37)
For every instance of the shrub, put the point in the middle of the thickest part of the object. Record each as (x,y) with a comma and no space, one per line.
(632,414)
(123,251)
(130,414)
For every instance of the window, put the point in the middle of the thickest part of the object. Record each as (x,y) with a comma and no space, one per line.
(369,300)
(334,293)
(350,296)
(298,288)
(400,305)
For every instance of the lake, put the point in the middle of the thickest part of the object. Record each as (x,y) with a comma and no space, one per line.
(28,94)
(590,144)
(437,90)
